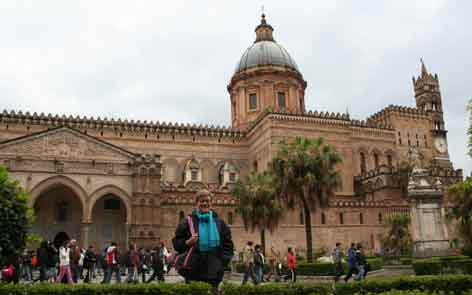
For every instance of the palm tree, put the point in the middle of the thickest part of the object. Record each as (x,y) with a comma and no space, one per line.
(258,204)
(306,175)
(398,238)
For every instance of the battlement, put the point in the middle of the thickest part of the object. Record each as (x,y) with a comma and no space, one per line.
(322,117)
(394,110)
(138,126)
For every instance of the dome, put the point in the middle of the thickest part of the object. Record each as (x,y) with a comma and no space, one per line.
(265,51)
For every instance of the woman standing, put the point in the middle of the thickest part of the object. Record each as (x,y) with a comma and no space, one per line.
(292,265)
(64,263)
(212,241)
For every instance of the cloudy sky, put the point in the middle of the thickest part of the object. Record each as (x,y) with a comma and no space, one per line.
(172,60)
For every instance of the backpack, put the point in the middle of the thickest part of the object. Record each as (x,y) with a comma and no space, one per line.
(8,272)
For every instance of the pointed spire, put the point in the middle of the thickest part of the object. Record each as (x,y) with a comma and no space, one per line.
(264,30)
(424,71)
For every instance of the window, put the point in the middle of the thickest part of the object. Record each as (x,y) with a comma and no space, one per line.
(230,218)
(111,204)
(389,160)
(194,174)
(252,101)
(380,218)
(281,100)
(361,218)
(62,209)
(323,218)
(341,218)
(302,217)
(363,166)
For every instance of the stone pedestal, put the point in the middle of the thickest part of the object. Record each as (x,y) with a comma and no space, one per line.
(429,232)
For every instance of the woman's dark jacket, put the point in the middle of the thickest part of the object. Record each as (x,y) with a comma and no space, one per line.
(210,265)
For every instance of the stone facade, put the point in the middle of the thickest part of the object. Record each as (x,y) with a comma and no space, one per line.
(100,180)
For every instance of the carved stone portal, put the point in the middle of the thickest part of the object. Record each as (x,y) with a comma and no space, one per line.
(429,232)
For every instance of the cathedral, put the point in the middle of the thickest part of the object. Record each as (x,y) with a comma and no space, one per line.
(101,180)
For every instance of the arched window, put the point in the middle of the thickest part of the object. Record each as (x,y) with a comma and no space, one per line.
(341,218)
(230,218)
(281,100)
(389,160)
(181,216)
(380,218)
(323,218)
(361,218)
(363,165)
(376,160)
(62,211)
(228,173)
(302,217)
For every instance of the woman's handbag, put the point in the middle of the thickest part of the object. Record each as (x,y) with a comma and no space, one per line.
(184,261)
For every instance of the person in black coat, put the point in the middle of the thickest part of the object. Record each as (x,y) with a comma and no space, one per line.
(212,241)
(43,260)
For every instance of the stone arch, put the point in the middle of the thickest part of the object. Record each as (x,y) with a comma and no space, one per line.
(59,180)
(114,190)
(392,154)
(362,155)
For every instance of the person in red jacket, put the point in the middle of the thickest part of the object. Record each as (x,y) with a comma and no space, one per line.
(292,266)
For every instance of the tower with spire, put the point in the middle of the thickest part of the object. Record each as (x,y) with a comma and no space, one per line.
(428,98)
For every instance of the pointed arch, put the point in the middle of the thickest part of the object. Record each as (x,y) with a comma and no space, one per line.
(114,190)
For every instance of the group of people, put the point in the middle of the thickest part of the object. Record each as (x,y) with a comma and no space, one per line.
(356,262)
(71,263)
(254,262)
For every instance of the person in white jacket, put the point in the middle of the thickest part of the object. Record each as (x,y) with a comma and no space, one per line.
(64,263)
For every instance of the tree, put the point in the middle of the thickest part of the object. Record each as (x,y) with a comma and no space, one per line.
(258,204)
(306,174)
(15,216)
(460,195)
(398,237)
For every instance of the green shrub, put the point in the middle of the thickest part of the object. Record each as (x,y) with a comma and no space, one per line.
(456,284)
(114,289)
(406,261)
(443,265)
(316,269)
(427,267)
(279,289)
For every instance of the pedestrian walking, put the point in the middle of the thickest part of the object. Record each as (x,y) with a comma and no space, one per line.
(133,262)
(292,266)
(210,239)
(338,262)
(361,263)
(248,259)
(64,263)
(351,262)
(90,262)
(43,260)
(259,261)
(157,264)
(112,263)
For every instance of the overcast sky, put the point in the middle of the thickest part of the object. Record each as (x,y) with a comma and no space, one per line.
(172,60)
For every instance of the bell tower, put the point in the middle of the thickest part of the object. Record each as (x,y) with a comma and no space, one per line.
(428,98)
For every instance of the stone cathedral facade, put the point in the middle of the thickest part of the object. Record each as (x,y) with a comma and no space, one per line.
(102,180)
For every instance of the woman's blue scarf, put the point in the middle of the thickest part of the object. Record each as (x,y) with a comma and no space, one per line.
(208,235)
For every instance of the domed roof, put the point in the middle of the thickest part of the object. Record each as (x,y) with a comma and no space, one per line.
(265,51)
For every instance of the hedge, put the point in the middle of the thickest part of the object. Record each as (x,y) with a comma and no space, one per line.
(444,265)
(454,284)
(316,269)
(112,289)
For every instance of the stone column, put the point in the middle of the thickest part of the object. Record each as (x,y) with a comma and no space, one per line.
(85,235)
(127,230)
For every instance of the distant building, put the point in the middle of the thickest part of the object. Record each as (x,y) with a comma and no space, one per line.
(102,180)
